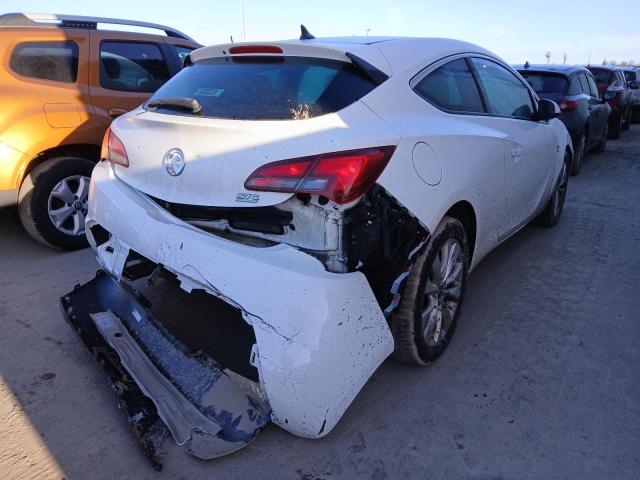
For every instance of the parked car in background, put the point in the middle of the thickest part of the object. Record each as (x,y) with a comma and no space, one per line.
(633,80)
(610,78)
(584,112)
(333,194)
(62,82)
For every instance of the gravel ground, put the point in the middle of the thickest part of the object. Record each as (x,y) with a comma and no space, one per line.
(542,379)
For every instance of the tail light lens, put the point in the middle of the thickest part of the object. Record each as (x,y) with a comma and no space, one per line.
(340,176)
(567,105)
(113,149)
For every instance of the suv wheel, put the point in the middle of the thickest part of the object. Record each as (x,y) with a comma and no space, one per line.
(53,202)
(580,149)
(616,129)
(603,141)
(551,213)
(428,312)
(627,119)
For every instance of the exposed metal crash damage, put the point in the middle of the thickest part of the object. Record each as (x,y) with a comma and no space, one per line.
(161,385)
(383,238)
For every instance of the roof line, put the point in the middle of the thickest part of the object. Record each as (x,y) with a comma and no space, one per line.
(80,21)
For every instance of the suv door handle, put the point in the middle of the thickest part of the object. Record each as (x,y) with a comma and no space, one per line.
(116,112)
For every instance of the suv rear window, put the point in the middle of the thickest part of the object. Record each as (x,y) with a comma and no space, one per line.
(266,88)
(602,76)
(545,83)
(57,61)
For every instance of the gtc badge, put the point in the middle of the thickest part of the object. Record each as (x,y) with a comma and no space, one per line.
(247,197)
(173,162)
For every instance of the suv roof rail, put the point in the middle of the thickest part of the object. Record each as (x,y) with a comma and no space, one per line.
(78,21)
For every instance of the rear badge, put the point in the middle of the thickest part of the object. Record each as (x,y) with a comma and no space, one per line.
(173,162)
(247,197)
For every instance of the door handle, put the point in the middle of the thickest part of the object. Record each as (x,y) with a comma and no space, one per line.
(116,112)
(517,152)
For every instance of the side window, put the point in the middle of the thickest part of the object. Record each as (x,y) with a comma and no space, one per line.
(593,88)
(57,61)
(506,94)
(182,51)
(584,83)
(451,87)
(132,67)
(575,87)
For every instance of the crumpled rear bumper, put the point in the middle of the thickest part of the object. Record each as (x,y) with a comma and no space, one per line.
(160,386)
(319,335)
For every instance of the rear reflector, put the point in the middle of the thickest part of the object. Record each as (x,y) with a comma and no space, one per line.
(253,49)
(113,149)
(340,176)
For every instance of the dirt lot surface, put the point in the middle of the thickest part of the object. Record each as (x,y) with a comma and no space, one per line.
(542,379)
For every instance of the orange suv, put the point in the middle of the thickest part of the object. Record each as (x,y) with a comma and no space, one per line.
(62,82)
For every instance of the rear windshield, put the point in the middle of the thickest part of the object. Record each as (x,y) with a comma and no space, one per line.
(602,76)
(544,83)
(266,88)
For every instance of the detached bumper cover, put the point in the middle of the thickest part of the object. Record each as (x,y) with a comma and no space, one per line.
(319,335)
(160,386)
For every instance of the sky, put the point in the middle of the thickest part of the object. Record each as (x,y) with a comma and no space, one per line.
(518,31)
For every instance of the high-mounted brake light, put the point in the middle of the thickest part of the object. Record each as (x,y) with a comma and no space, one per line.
(340,176)
(244,49)
(113,149)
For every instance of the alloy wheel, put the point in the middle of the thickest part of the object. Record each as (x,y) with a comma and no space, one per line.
(442,292)
(67,205)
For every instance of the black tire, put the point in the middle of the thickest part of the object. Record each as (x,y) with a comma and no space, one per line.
(626,120)
(553,210)
(580,149)
(406,323)
(603,141)
(33,201)
(615,130)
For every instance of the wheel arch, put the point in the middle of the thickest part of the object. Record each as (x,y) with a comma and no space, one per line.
(87,151)
(464,212)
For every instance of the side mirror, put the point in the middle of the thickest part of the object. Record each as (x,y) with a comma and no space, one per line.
(547,109)
(634,85)
(608,95)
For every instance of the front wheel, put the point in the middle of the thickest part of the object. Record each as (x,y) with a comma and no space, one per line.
(580,150)
(428,312)
(603,141)
(551,213)
(53,202)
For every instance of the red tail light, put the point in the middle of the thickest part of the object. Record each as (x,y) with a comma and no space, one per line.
(253,49)
(340,176)
(113,149)
(567,105)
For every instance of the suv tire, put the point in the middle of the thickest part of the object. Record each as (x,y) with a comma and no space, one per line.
(428,312)
(38,203)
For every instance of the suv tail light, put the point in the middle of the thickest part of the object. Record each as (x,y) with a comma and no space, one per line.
(567,105)
(340,176)
(113,149)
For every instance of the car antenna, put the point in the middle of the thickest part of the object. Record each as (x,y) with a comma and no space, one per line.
(304,33)
(527,65)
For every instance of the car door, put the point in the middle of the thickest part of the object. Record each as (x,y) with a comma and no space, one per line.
(598,111)
(529,144)
(125,70)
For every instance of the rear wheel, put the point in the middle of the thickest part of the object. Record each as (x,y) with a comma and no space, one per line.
(627,119)
(552,212)
(430,305)
(603,141)
(53,202)
(616,128)
(580,150)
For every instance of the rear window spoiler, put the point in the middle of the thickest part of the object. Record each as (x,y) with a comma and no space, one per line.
(377,76)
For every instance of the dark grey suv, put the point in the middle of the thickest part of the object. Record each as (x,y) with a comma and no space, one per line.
(584,112)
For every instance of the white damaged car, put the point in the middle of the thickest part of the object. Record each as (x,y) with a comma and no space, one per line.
(328,198)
